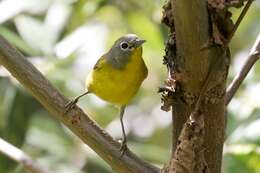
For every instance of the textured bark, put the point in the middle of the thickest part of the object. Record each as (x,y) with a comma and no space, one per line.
(196,53)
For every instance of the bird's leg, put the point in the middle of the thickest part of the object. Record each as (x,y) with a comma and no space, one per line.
(71,104)
(123,147)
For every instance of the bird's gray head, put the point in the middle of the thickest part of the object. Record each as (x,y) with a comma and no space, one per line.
(120,53)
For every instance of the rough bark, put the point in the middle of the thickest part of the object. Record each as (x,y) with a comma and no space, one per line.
(196,52)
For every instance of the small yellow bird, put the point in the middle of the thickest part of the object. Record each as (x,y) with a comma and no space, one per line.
(117,76)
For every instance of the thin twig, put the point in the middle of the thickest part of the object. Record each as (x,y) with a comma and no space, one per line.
(254,55)
(20,157)
(76,120)
(240,18)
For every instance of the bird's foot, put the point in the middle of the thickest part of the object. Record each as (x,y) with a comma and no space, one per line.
(123,148)
(70,105)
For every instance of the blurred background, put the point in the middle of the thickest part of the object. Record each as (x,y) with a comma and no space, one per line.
(64,39)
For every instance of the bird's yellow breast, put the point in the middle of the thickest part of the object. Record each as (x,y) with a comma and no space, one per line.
(117,86)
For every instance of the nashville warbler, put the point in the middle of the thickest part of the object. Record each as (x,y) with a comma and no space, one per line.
(117,76)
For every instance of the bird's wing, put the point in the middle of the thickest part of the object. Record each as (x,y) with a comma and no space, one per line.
(100,63)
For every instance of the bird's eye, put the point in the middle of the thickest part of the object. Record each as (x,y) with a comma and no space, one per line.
(124,45)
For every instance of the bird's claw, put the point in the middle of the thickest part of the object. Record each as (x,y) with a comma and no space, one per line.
(70,105)
(123,148)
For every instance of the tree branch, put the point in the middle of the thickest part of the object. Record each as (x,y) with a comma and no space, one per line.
(254,55)
(20,157)
(239,20)
(77,121)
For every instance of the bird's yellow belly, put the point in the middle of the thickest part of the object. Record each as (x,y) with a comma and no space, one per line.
(117,86)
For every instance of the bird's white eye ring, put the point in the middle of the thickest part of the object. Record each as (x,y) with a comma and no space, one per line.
(124,45)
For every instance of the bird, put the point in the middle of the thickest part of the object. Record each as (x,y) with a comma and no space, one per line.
(117,76)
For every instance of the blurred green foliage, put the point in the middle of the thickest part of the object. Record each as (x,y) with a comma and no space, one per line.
(64,39)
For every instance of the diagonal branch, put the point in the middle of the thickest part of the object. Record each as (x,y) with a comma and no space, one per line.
(20,157)
(254,55)
(77,121)
(239,20)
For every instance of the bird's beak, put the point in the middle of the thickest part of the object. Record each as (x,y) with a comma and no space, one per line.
(138,42)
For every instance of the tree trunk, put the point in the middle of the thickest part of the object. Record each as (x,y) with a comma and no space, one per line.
(196,54)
